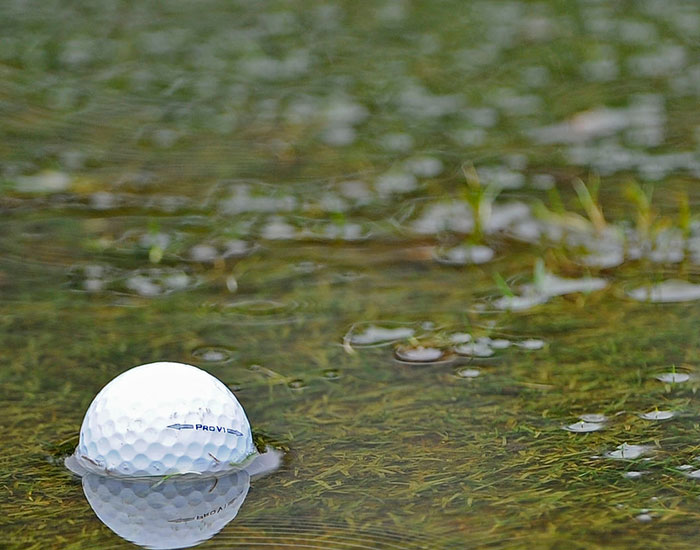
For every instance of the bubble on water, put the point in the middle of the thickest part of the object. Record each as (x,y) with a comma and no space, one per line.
(460,337)
(213,354)
(531,344)
(103,200)
(278,229)
(464,255)
(355,190)
(468,373)
(331,374)
(396,182)
(629,452)
(475,349)
(424,167)
(519,303)
(499,343)
(397,142)
(444,216)
(584,427)
(594,417)
(154,239)
(552,285)
(48,181)
(296,384)
(203,253)
(657,415)
(374,335)
(420,354)
(339,136)
(501,177)
(673,377)
(143,286)
(667,291)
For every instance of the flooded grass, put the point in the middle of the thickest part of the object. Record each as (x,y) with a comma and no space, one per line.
(446,256)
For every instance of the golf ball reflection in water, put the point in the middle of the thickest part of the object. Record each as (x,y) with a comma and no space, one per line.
(174,513)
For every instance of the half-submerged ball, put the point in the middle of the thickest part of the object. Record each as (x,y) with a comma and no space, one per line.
(161,419)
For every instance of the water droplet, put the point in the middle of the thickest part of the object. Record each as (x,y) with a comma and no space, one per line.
(657,415)
(468,373)
(584,427)
(673,377)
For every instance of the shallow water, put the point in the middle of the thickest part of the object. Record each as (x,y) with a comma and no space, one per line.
(276,193)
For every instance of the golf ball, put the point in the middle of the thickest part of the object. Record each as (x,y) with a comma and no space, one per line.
(161,419)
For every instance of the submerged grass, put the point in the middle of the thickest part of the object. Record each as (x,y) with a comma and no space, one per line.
(256,123)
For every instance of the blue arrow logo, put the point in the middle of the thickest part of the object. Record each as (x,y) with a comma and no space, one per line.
(181,426)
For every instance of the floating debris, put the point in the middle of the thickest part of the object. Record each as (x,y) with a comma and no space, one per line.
(657,415)
(628,452)
(584,427)
(668,291)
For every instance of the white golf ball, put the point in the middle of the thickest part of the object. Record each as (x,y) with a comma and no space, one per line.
(162,419)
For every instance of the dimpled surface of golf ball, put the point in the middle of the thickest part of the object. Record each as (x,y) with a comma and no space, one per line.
(162,419)
(175,513)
